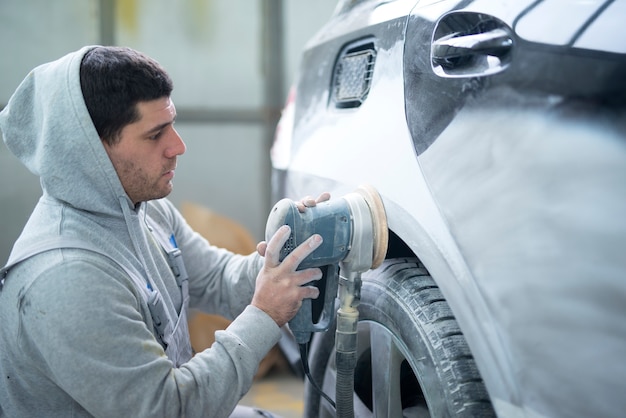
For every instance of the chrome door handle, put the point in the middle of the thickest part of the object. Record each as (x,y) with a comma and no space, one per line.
(454,49)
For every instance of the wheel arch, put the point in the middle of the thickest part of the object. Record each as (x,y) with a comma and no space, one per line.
(444,262)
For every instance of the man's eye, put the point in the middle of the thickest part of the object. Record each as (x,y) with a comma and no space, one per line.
(156,135)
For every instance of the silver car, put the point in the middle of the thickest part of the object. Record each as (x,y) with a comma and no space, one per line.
(495,133)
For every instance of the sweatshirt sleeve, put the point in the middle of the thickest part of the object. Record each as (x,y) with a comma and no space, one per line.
(89,327)
(220,282)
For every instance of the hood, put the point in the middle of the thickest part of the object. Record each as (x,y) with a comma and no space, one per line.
(47,126)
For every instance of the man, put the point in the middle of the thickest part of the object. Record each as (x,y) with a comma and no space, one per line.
(95,294)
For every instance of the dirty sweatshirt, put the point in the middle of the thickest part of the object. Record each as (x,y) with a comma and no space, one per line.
(76,334)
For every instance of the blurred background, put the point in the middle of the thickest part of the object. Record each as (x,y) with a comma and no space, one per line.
(232,62)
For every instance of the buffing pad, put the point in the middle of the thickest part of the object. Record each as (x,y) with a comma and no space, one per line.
(379,223)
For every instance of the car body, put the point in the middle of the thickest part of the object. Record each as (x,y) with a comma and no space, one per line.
(495,133)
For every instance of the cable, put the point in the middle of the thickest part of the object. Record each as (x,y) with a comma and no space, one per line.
(304,358)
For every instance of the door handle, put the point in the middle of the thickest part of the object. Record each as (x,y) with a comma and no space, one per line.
(470,44)
(455,49)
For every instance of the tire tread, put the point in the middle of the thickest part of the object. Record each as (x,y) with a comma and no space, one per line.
(408,281)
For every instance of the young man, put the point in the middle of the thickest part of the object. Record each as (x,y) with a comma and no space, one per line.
(95,295)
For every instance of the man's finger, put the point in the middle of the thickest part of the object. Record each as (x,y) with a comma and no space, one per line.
(294,259)
(309,201)
(310,292)
(308,275)
(323,197)
(261,247)
(273,247)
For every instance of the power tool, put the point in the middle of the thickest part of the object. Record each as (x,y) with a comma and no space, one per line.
(355,239)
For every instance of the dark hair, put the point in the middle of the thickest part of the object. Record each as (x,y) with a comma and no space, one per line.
(113,80)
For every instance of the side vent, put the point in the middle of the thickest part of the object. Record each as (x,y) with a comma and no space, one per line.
(352,76)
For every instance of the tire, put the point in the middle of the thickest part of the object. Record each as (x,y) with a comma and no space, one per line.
(423,366)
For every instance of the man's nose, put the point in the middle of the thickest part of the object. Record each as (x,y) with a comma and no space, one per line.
(176,146)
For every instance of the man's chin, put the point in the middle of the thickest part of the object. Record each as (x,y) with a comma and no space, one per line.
(167,190)
(163,192)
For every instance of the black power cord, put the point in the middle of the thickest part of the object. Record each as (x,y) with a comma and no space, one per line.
(304,358)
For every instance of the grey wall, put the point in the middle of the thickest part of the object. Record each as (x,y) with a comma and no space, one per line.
(232,62)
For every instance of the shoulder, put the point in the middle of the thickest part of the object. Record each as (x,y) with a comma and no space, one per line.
(69,273)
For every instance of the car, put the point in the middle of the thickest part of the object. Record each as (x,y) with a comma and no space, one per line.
(495,134)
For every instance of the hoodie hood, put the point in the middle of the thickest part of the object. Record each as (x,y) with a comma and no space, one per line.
(47,126)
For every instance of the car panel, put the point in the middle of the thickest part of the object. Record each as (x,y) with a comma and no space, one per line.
(504,184)
(320,128)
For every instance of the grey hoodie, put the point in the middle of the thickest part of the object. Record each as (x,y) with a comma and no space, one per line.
(76,335)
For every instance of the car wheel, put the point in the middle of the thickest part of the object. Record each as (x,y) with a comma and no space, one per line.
(413,360)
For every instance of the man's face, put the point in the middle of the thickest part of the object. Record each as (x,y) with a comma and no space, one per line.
(145,156)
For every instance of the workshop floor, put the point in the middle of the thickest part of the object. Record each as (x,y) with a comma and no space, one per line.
(280,392)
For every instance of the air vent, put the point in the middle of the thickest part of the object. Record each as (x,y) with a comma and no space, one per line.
(353,73)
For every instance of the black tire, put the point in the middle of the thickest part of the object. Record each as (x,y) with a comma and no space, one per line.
(423,366)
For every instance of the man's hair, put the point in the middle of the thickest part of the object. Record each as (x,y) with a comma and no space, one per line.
(113,80)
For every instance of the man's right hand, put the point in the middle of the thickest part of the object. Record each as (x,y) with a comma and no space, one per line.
(279,286)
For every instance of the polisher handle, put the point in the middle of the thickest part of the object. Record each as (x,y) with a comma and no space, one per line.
(304,323)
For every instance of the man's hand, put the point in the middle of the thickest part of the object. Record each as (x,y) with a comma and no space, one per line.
(309,202)
(279,287)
